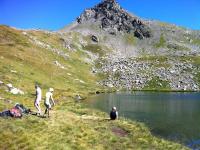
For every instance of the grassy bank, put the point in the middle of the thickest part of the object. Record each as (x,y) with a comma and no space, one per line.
(72,126)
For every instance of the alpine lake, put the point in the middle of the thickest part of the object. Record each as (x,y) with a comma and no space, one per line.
(171,115)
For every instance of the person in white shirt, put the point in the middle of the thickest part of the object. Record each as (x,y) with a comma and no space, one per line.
(48,100)
(38,99)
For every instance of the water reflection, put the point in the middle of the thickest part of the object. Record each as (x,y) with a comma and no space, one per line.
(175,116)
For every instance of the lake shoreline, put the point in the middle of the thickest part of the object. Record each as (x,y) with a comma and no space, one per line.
(183,103)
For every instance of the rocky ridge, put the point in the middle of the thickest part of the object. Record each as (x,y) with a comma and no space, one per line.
(114,19)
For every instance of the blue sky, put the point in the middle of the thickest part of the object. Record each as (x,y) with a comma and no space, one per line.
(55,14)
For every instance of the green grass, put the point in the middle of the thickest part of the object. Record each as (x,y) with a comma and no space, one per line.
(196,41)
(156,83)
(35,64)
(94,48)
(130,39)
(69,129)
(197,78)
(195,60)
(66,128)
(177,47)
(151,58)
(161,43)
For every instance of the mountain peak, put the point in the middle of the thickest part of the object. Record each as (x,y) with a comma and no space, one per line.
(111,17)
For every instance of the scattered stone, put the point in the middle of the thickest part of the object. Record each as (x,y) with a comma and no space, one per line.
(24,33)
(58,64)
(14,90)
(78,98)
(94,70)
(13,71)
(110,85)
(185,88)
(95,38)
(81,81)
(9,85)
(127,73)
(97,92)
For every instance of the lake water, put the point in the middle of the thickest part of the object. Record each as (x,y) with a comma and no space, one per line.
(174,116)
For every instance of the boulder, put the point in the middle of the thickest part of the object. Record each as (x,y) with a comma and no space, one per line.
(78,98)
(14,90)
(13,71)
(94,38)
(9,86)
(58,64)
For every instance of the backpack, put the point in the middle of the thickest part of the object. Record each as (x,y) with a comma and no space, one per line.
(16,113)
(22,109)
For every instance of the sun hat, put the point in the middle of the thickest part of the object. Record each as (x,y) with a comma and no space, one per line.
(51,89)
(114,108)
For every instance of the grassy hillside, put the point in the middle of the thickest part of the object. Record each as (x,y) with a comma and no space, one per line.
(32,63)
(29,57)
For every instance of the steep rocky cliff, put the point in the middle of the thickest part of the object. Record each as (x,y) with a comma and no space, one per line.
(113,18)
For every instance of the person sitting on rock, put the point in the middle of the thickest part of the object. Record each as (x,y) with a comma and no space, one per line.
(47,103)
(114,114)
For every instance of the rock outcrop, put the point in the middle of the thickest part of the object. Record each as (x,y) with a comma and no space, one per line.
(14,90)
(114,19)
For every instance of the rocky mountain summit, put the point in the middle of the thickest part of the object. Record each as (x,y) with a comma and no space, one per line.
(112,18)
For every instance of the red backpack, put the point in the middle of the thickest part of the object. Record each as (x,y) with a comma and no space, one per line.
(16,113)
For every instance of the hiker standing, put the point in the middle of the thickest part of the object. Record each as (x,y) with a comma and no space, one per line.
(38,99)
(114,114)
(48,100)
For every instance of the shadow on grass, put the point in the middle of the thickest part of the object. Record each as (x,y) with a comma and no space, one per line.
(36,114)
